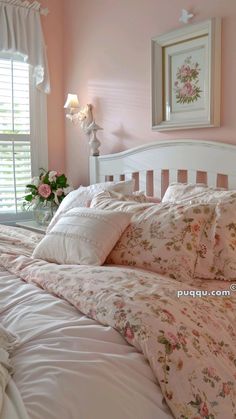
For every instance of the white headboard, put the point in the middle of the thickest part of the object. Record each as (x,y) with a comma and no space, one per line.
(191,155)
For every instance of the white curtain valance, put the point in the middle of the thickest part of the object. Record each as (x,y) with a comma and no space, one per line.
(21,33)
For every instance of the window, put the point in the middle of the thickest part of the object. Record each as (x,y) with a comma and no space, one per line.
(22,134)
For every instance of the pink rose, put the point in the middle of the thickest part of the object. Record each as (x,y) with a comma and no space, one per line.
(187,90)
(185,71)
(59,192)
(203,410)
(44,190)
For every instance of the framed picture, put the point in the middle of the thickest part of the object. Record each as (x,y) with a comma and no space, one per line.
(186,66)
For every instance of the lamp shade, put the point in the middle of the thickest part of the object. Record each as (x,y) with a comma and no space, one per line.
(72,101)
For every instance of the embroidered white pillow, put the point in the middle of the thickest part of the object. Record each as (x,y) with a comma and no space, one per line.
(82,236)
(81,196)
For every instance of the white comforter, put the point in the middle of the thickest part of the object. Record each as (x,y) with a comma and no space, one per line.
(68,366)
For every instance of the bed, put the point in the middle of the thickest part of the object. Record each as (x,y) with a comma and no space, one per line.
(73,332)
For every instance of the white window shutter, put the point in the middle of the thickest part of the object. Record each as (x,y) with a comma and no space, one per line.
(15,145)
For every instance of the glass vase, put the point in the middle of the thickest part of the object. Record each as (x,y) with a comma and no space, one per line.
(44,212)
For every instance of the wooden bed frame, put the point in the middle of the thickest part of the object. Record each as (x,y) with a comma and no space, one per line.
(150,160)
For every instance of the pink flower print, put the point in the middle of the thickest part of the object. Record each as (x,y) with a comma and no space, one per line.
(169,316)
(182,339)
(211,372)
(203,410)
(195,333)
(187,89)
(129,334)
(44,190)
(185,71)
(226,389)
(195,228)
(172,339)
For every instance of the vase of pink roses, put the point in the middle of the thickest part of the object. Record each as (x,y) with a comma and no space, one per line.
(45,193)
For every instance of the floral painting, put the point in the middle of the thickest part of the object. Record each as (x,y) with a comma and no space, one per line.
(186,86)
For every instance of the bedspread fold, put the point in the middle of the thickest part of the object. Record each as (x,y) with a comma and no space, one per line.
(8,343)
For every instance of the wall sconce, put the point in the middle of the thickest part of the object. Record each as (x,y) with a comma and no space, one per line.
(83,116)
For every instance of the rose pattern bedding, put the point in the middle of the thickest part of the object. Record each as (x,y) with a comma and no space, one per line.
(187,341)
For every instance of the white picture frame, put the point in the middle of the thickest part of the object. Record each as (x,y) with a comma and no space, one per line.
(186,77)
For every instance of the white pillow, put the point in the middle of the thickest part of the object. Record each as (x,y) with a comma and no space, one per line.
(82,236)
(81,196)
(109,200)
(179,191)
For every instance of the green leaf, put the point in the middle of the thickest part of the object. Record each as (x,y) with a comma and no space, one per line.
(31,186)
(61,181)
(28,198)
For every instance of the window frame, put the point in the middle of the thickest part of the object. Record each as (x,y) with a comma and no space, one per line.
(38,136)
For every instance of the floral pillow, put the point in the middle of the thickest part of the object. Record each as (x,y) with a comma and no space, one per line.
(164,238)
(217,260)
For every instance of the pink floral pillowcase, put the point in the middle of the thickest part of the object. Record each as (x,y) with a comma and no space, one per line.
(217,257)
(217,251)
(194,239)
(163,238)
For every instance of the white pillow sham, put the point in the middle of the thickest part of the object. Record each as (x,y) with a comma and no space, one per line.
(81,196)
(82,236)
(179,192)
(110,200)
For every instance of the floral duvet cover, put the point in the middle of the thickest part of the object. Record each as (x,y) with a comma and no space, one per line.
(190,343)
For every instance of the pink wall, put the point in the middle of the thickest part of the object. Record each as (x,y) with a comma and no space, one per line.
(107,62)
(53,34)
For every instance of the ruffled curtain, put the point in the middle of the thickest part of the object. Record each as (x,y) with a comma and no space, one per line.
(21,33)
